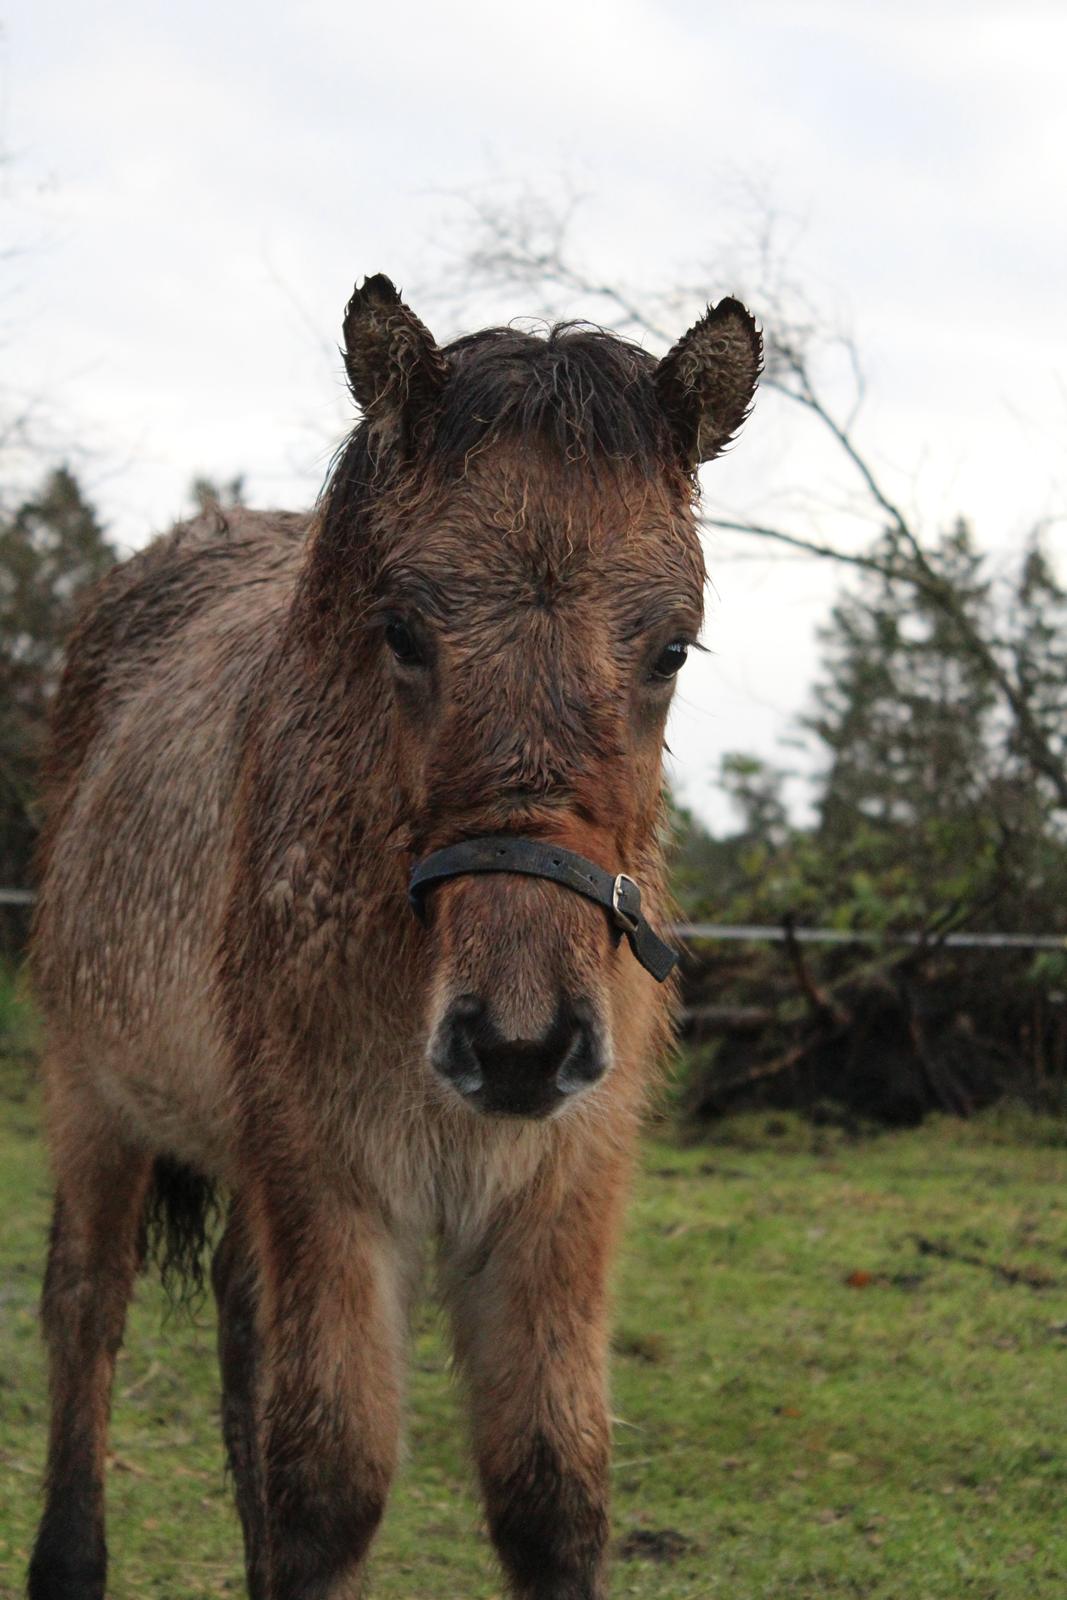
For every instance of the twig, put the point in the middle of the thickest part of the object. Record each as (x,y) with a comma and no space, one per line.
(822,1007)
(146,1377)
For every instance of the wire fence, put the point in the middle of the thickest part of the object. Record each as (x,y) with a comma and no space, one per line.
(769,933)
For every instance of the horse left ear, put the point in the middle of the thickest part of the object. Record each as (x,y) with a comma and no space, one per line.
(395,369)
(706,382)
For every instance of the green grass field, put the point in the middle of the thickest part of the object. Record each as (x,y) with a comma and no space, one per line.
(840,1369)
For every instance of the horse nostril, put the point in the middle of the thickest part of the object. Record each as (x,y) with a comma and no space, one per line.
(582,1063)
(454,1054)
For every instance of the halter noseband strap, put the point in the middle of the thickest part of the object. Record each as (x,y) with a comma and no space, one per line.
(619,895)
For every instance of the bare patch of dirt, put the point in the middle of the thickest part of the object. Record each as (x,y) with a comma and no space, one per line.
(655,1544)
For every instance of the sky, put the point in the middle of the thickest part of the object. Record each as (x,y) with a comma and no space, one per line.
(190,192)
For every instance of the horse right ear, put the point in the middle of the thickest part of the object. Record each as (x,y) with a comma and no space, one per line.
(706,382)
(395,370)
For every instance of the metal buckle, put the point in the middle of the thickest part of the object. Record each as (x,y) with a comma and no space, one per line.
(626,920)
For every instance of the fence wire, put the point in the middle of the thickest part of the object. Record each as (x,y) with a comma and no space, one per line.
(769,933)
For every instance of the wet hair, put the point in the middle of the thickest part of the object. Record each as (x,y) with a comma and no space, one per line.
(583,391)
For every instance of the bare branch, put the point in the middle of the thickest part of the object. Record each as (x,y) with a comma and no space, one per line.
(810,547)
(806,395)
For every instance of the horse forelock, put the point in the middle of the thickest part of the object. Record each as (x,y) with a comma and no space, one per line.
(582,392)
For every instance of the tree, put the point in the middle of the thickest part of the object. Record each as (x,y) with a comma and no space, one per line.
(208,494)
(903,704)
(755,789)
(1036,640)
(51,547)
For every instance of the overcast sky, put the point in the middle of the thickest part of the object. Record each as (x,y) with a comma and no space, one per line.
(192,191)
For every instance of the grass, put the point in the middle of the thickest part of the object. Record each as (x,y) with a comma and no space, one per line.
(840,1370)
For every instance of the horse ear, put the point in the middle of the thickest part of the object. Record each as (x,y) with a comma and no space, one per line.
(395,369)
(707,380)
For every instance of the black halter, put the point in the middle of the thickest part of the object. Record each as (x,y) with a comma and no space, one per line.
(619,895)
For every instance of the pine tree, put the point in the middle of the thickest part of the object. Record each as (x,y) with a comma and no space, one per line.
(905,712)
(1037,641)
(903,708)
(51,547)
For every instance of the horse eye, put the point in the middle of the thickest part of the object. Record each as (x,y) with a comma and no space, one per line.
(670,659)
(403,643)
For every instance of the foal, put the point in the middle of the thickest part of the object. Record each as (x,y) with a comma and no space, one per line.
(461,661)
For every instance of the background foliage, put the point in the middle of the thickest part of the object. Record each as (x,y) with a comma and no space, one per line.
(930,816)
(51,547)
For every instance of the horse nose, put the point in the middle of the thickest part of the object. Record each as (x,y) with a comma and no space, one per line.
(517,1077)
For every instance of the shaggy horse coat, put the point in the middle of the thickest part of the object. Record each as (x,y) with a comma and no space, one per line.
(265,720)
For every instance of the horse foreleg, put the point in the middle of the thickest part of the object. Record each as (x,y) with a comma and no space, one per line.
(233,1277)
(92,1260)
(332,1324)
(531,1336)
